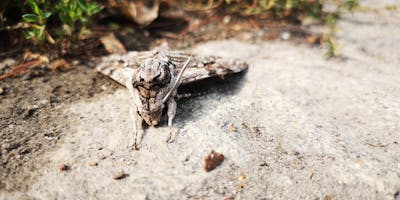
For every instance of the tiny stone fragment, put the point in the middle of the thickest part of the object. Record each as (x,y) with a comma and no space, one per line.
(64,167)
(241,177)
(102,157)
(30,111)
(120,175)
(232,128)
(93,164)
(285,35)
(213,160)
(1,90)
(242,181)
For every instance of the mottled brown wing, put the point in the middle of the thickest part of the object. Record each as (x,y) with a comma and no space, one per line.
(114,65)
(202,67)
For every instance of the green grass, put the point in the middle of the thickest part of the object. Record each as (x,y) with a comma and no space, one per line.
(42,20)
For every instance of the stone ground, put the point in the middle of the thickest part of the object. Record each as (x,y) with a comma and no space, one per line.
(295,126)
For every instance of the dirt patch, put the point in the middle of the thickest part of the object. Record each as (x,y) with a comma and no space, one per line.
(30,121)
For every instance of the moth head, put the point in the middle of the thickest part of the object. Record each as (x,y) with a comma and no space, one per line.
(156,69)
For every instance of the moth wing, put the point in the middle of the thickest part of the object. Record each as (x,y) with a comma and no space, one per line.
(115,66)
(202,67)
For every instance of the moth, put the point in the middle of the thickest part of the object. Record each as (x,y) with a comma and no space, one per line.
(153,77)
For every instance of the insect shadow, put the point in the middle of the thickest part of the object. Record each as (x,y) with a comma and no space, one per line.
(193,92)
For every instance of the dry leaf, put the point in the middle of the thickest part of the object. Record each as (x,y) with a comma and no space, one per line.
(112,44)
(312,39)
(61,65)
(29,56)
(141,12)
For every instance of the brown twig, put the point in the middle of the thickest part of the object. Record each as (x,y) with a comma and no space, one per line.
(20,68)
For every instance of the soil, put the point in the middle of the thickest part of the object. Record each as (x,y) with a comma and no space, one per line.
(30,117)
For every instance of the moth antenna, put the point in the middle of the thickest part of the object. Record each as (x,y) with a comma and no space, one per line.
(176,84)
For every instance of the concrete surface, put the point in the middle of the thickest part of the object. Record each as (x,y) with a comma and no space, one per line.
(296,126)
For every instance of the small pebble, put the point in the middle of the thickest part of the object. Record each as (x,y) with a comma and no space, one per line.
(43,102)
(264,164)
(64,167)
(75,62)
(93,164)
(242,181)
(120,175)
(1,90)
(226,19)
(285,35)
(102,157)
(241,177)
(232,128)
(213,160)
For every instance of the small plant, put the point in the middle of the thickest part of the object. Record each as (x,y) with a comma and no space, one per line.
(349,5)
(74,16)
(70,12)
(330,22)
(37,22)
(332,48)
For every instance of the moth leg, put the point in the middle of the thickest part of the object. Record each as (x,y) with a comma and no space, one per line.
(137,130)
(171,115)
(139,133)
